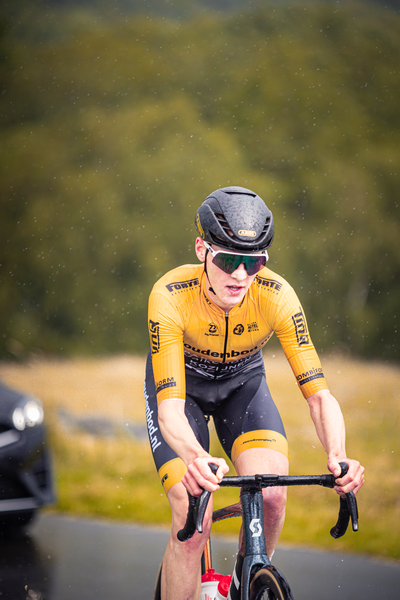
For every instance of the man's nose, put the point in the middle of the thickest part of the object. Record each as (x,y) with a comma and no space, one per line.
(240,273)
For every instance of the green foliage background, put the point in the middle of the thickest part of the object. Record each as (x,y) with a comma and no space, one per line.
(115,125)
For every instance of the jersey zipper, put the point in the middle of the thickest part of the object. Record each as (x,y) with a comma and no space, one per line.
(225,345)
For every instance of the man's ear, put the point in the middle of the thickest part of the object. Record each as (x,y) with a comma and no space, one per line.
(201,250)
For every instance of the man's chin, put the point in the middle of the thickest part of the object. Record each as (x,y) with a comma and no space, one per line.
(232,301)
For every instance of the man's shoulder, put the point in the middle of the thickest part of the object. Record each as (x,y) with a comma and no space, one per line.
(270,281)
(180,279)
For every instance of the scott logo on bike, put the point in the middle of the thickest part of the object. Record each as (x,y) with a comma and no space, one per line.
(255,527)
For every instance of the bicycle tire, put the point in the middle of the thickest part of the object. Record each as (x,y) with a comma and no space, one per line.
(269,584)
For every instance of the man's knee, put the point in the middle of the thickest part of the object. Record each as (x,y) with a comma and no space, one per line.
(274,501)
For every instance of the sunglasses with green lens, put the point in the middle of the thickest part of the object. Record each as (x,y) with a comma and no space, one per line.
(230,261)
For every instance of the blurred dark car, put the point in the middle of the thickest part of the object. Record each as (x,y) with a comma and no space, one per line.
(26,481)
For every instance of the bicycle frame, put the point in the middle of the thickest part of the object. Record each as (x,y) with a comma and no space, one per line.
(255,553)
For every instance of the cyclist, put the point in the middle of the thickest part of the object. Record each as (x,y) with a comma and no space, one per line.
(208,323)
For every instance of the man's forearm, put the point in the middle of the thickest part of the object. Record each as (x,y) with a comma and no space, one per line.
(329,423)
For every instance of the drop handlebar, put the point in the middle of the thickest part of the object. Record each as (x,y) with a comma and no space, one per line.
(198,505)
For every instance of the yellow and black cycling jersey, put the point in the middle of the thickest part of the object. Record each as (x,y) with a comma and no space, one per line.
(188,330)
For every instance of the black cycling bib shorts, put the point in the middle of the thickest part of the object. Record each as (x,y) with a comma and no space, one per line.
(244,414)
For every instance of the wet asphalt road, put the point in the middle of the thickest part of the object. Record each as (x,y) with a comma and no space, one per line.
(73,559)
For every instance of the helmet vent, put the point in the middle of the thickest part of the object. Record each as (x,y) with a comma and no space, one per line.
(266,226)
(224,223)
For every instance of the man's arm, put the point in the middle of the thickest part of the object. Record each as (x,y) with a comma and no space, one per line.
(179,436)
(329,424)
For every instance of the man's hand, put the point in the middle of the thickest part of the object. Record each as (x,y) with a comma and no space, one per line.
(354,478)
(199,475)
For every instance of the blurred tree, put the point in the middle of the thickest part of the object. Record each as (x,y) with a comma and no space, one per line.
(114,128)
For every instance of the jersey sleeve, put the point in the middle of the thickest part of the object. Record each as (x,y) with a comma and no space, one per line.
(292,331)
(166,342)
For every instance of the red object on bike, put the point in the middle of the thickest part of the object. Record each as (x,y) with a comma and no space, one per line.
(209,584)
(211,575)
(223,587)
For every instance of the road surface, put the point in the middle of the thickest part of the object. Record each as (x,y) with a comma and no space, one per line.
(80,559)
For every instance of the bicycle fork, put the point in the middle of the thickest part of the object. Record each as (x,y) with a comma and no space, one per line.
(255,555)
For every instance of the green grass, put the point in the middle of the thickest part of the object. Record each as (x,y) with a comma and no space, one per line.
(114,478)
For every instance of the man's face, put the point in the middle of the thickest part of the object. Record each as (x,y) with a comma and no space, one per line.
(229,289)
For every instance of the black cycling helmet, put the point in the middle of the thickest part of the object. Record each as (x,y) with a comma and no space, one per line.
(237,219)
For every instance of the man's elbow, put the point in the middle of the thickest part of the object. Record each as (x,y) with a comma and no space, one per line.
(169,410)
(316,400)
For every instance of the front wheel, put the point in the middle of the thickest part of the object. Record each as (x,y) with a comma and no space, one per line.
(269,584)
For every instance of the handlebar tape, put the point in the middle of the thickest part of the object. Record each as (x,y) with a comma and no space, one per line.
(348,509)
(190,526)
(196,512)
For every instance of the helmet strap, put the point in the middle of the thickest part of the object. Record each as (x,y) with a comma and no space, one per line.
(205,271)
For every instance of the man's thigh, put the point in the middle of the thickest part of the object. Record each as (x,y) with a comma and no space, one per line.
(262,460)
(249,419)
